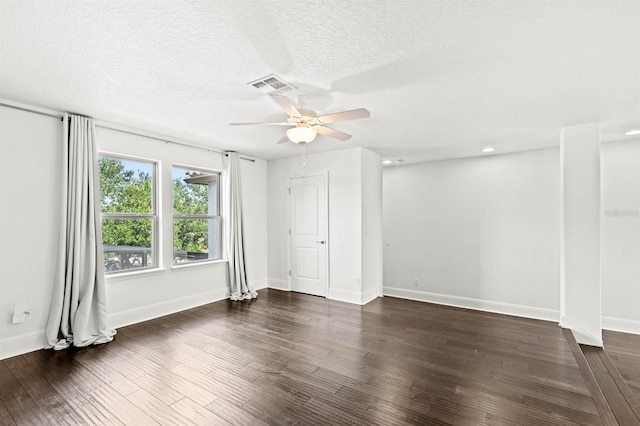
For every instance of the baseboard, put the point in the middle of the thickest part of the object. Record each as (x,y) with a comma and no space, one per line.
(477,304)
(259,284)
(148,312)
(345,296)
(334,294)
(278,284)
(22,344)
(369,295)
(620,324)
(585,337)
(34,341)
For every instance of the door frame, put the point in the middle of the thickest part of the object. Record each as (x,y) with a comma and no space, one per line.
(324,174)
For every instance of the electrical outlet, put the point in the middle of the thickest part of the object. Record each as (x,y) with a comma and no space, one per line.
(19,313)
(416,282)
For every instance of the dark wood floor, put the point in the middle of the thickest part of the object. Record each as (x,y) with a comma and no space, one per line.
(624,351)
(287,358)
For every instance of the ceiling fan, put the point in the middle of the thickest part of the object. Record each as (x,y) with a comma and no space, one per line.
(307,124)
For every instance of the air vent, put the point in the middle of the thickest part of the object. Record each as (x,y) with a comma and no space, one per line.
(272,84)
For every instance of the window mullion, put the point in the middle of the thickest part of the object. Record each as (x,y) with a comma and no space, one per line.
(195,216)
(128,215)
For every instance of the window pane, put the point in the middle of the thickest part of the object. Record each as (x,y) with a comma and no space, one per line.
(195,239)
(195,191)
(126,186)
(127,244)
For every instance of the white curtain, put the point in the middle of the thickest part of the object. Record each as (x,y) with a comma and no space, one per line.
(239,289)
(78,312)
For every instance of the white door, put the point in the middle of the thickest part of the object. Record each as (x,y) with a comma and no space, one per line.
(308,229)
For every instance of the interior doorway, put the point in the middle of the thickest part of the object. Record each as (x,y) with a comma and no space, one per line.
(308,230)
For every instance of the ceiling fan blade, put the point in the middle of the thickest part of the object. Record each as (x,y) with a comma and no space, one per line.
(260,123)
(333,133)
(284,139)
(345,115)
(286,104)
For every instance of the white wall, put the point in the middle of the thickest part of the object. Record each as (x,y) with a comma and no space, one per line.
(371,226)
(343,168)
(580,292)
(254,202)
(30,175)
(346,205)
(621,236)
(30,158)
(480,232)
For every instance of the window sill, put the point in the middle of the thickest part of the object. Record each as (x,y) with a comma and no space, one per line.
(197,264)
(133,274)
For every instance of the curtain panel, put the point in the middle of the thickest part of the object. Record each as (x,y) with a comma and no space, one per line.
(78,311)
(239,288)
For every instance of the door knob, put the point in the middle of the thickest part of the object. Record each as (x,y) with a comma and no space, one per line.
(321,242)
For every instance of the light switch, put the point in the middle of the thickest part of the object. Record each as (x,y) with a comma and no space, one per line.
(19,313)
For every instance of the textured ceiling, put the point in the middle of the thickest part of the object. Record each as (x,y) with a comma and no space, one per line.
(441,79)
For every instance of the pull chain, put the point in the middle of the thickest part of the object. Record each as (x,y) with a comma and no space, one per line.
(304,156)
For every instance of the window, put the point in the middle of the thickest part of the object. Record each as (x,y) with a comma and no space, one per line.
(196,216)
(128,206)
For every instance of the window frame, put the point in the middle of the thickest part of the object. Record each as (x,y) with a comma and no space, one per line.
(215,217)
(153,215)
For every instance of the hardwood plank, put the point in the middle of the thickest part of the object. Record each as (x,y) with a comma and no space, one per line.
(624,351)
(5,417)
(78,389)
(53,404)
(20,406)
(289,358)
(127,412)
(157,410)
(606,413)
(402,414)
(330,414)
(170,383)
(158,389)
(111,376)
(621,383)
(197,413)
(616,400)
(6,376)
(20,367)
(233,414)
(375,416)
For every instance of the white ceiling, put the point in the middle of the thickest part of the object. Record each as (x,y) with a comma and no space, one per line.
(441,78)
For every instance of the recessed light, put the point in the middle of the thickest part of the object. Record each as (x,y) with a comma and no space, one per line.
(488,149)
(387,162)
(399,160)
(633,132)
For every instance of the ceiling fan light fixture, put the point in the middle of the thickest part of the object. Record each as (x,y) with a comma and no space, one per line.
(302,134)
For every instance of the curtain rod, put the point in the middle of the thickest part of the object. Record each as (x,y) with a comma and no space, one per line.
(29,108)
(253,160)
(117,128)
(160,137)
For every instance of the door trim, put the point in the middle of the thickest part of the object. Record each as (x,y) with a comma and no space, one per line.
(327,251)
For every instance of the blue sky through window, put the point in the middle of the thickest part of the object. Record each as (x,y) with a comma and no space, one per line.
(136,166)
